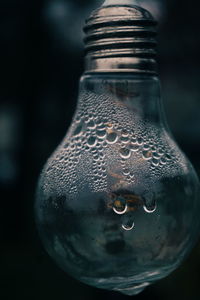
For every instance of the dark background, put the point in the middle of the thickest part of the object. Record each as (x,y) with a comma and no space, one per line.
(41,58)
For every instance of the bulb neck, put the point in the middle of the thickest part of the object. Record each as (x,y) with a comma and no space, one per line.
(139,94)
(120,38)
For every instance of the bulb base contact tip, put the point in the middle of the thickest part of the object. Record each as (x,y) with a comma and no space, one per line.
(120,38)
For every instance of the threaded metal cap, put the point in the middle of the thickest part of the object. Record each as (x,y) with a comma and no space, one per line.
(120,38)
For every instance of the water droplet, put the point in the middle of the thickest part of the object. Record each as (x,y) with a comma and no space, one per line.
(125,153)
(101,134)
(96,179)
(140,141)
(128,226)
(101,126)
(92,141)
(160,152)
(147,155)
(125,133)
(96,157)
(150,209)
(66,146)
(146,147)
(120,207)
(101,149)
(156,155)
(133,140)
(91,124)
(79,145)
(126,172)
(103,169)
(71,165)
(78,129)
(149,202)
(168,157)
(72,146)
(163,161)
(94,150)
(111,137)
(86,118)
(134,147)
(102,155)
(124,139)
(155,162)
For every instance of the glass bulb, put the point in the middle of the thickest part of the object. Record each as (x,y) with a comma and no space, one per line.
(117,202)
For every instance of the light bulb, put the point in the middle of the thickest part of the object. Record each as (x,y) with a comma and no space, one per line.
(117,202)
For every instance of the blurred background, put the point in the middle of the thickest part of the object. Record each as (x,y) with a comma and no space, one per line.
(41,62)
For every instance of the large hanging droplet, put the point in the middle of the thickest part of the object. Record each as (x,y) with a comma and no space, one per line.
(150,209)
(120,206)
(128,226)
